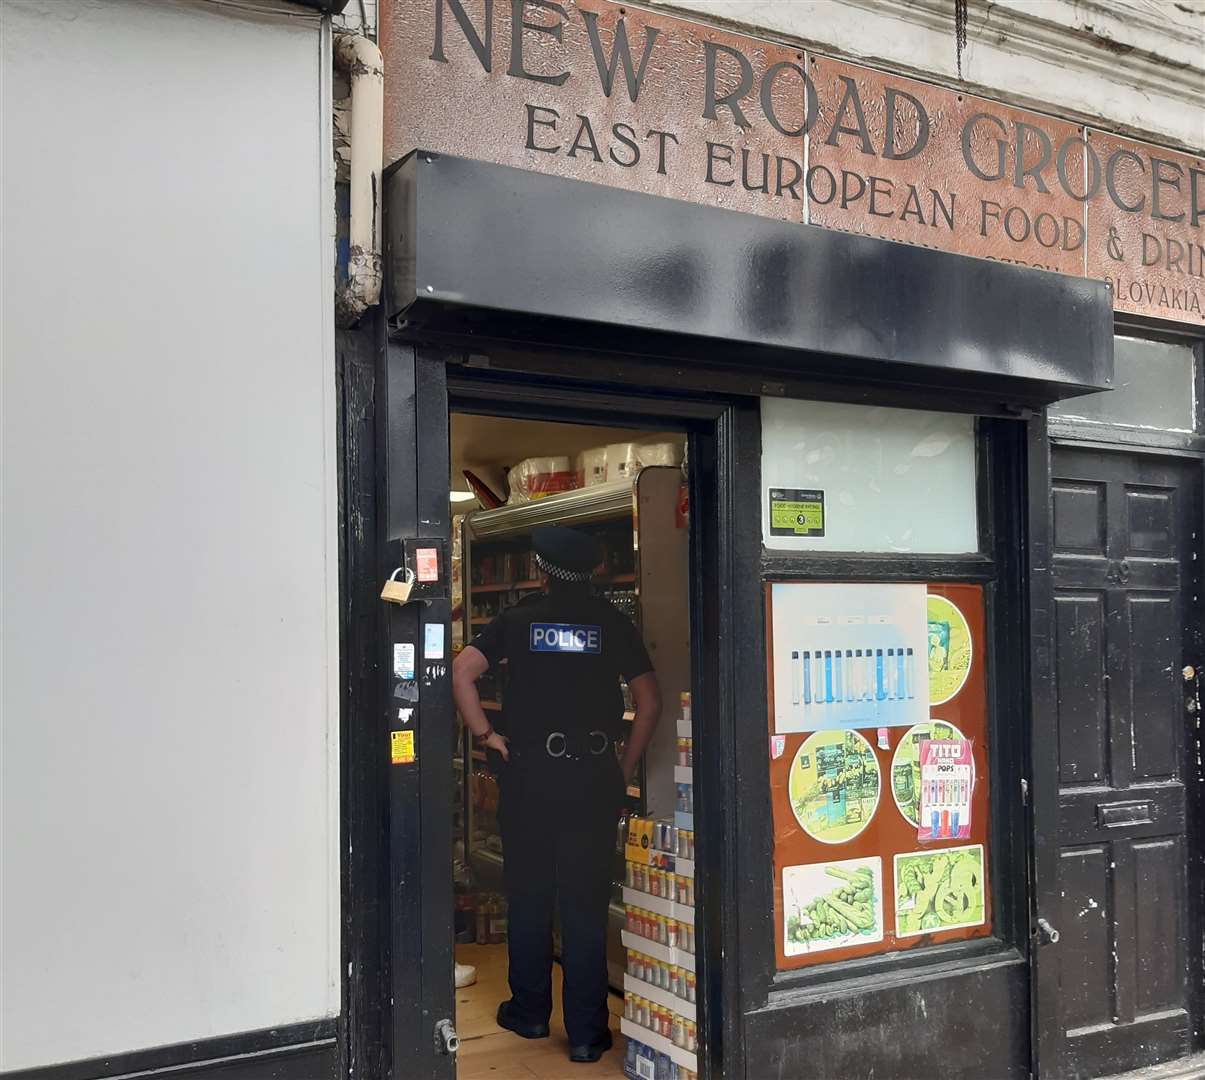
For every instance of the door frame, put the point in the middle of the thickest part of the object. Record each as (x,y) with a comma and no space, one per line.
(414,387)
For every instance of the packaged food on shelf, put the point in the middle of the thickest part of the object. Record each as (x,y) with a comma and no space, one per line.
(592,467)
(538,477)
(659,453)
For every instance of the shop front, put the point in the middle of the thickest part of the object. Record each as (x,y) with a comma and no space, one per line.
(922,575)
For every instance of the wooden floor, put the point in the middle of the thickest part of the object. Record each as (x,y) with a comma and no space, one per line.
(487,1051)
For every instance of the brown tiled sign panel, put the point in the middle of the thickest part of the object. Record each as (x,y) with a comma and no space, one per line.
(907,161)
(598,91)
(1146,227)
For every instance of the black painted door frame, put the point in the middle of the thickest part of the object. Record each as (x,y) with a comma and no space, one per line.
(1174,472)
(413,398)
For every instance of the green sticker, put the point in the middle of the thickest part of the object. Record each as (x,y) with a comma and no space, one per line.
(796,512)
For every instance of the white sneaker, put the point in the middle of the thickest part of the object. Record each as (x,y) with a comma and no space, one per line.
(466,975)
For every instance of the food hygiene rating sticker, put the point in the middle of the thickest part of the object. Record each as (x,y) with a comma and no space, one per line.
(796,512)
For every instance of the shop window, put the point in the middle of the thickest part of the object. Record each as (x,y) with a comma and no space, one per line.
(878,759)
(1153,388)
(842,477)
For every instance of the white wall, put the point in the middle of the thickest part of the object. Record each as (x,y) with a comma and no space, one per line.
(170,812)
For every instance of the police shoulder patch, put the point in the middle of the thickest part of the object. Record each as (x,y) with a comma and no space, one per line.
(565,638)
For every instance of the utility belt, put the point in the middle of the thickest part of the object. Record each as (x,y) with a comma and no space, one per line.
(568,746)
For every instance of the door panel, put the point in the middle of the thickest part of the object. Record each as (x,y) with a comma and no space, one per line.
(1122,539)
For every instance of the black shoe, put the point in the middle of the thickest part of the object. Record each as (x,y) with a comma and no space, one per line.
(524,1031)
(591,1051)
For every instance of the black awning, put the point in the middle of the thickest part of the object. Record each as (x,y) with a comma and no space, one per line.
(485,249)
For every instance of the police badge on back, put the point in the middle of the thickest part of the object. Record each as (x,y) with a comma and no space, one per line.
(566,638)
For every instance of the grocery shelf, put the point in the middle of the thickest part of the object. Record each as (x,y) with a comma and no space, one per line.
(492,706)
(685,867)
(685,729)
(678,957)
(671,909)
(659,1043)
(684,820)
(661,996)
(684,774)
(505,586)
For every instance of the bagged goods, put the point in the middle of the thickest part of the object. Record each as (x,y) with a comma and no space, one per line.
(592,467)
(536,478)
(662,453)
(623,461)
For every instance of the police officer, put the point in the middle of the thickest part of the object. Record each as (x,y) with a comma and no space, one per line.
(561,786)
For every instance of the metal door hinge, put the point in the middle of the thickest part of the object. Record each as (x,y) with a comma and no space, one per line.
(446,1039)
(1047,934)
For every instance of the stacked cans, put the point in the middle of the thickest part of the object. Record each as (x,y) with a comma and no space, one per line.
(677,980)
(664,930)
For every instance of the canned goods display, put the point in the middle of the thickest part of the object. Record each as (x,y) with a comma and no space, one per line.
(678,1031)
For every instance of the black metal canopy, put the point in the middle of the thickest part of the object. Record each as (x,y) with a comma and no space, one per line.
(478,249)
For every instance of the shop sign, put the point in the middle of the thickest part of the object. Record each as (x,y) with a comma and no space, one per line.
(615,95)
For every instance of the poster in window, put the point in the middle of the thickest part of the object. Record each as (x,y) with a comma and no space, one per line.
(832,788)
(905,765)
(832,905)
(939,890)
(834,785)
(848,656)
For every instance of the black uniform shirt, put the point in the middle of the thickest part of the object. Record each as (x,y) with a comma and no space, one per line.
(565,651)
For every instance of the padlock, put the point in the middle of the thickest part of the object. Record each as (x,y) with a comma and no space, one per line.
(398,592)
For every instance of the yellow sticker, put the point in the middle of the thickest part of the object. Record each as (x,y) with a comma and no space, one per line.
(640,840)
(401,747)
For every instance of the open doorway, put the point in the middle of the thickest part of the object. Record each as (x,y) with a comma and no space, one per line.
(627,490)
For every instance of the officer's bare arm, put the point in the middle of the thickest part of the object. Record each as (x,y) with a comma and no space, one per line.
(646,695)
(467,668)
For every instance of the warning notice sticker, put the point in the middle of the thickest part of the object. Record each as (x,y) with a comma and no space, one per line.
(796,512)
(401,747)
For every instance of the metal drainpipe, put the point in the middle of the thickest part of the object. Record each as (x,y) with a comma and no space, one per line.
(359,57)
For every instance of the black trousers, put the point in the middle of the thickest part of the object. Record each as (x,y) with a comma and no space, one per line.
(558,819)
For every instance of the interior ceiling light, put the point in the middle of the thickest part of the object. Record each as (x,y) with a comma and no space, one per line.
(461,496)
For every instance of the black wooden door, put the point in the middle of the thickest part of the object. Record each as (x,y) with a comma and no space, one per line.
(1116,928)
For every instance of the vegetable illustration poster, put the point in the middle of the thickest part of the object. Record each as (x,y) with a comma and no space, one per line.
(830,905)
(938,890)
(834,785)
(848,656)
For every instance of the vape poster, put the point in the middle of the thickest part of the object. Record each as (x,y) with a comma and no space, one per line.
(947,781)
(905,765)
(832,905)
(848,656)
